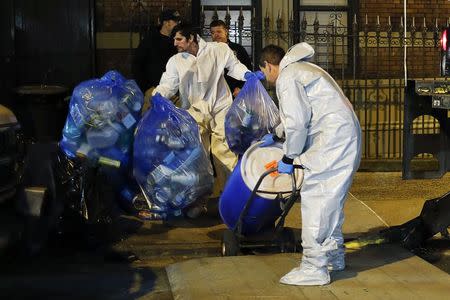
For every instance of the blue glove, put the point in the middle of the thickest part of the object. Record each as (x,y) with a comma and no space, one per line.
(267,140)
(285,166)
(256,75)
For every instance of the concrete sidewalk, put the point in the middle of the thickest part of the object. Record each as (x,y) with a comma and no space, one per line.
(376,201)
(383,272)
(190,249)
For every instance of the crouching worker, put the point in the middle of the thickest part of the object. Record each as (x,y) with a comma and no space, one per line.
(197,72)
(321,128)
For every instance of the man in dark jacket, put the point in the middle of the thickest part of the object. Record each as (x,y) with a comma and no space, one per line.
(154,51)
(219,33)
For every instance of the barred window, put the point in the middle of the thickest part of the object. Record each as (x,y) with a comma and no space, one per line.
(233,7)
(325,24)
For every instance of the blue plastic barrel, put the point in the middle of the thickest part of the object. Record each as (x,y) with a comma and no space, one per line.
(265,208)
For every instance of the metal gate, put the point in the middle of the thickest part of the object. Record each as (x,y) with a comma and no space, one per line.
(366,59)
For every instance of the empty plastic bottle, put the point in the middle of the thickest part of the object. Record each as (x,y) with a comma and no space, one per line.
(159,173)
(79,118)
(185,179)
(179,201)
(171,141)
(132,103)
(102,137)
(163,194)
(193,155)
(125,117)
(247,119)
(133,96)
(85,151)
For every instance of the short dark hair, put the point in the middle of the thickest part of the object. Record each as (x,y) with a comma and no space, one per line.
(185,30)
(217,23)
(169,14)
(272,54)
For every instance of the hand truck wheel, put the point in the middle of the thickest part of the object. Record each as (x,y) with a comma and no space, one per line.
(288,243)
(230,244)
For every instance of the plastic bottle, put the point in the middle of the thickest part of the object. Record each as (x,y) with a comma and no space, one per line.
(102,137)
(159,173)
(171,141)
(105,108)
(163,194)
(79,118)
(189,136)
(125,117)
(146,150)
(247,119)
(133,97)
(132,102)
(179,201)
(85,151)
(193,155)
(169,159)
(186,178)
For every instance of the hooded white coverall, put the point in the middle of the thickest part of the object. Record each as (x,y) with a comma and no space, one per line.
(207,97)
(322,129)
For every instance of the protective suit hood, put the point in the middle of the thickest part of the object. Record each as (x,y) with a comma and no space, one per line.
(301,51)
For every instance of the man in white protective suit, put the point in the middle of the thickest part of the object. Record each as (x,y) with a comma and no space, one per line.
(321,128)
(197,72)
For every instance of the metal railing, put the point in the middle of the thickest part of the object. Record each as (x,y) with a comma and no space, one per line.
(367,60)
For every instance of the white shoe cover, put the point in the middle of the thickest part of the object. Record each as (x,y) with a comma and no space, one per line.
(306,275)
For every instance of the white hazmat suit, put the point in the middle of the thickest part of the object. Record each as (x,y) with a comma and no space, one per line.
(322,129)
(206,95)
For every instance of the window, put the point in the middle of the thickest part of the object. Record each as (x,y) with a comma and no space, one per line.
(234,7)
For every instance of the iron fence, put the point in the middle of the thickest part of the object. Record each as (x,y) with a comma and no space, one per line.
(367,60)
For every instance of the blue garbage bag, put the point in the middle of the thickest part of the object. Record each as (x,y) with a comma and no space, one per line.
(252,115)
(103,114)
(169,161)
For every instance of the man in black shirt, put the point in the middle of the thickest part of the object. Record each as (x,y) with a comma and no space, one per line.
(219,33)
(154,51)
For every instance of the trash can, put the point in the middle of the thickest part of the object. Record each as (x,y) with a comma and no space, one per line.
(41,111)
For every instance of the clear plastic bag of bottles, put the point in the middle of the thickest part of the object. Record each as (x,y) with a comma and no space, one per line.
(103,114)
(252,115)
(170,163)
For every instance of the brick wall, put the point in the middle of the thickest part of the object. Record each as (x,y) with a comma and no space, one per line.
(422,62)
(117,15)
(123,15)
